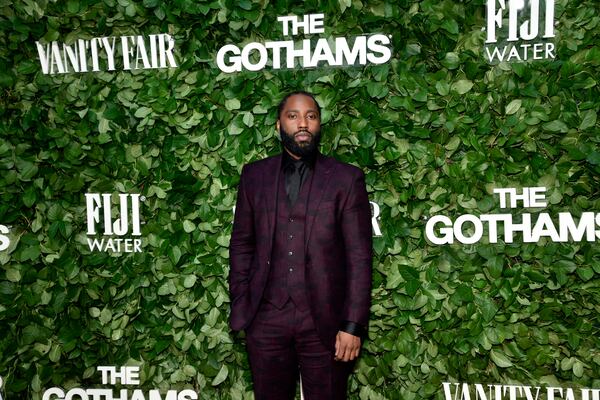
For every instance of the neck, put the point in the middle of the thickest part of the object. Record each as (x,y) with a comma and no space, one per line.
(295,157)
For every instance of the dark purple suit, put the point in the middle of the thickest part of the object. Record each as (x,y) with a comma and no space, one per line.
(337,244)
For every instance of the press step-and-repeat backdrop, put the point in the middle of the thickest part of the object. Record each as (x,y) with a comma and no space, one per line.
(124,126)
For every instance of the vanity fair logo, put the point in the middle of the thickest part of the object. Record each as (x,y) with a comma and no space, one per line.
(120,235)
(469,228)
(254,56)
(108,54)
(477,391)
(526,35)
(4,239)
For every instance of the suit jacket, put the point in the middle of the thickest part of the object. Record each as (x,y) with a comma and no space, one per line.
(338,247)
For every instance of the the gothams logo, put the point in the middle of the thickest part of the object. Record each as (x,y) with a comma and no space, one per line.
(112,376)
(526,35)
(119,234)
(477,391)
(339,51)
(469,228)
(108,54)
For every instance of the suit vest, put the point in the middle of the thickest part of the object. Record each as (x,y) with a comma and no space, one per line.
(288,261)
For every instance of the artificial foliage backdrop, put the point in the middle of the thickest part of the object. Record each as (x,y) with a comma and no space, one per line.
(435,130)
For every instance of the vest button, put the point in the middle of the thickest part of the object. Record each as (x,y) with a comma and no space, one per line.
(291,269)
(290,253)
(290,237)
(291,219)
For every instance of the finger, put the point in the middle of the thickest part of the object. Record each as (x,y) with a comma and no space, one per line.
(348,353)
(337,345)
(343,352)
(354,349)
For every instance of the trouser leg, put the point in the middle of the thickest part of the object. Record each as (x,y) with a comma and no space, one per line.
(323,378)
(271,353)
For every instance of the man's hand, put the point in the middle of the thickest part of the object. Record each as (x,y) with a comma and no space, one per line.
(347,346)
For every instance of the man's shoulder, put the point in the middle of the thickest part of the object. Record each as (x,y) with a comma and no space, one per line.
(341,167)
(259,166)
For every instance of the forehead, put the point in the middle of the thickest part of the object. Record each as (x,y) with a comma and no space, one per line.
(300,102)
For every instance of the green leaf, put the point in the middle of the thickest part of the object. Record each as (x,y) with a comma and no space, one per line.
(13,274)
(221,376)
(462,86)
(73,6)
(248,119)
(593,158)
(556,126)
(174,254)
(488,309)
(232,104)
(442,87)
(105,316)
(188,226)
(500,359)
(55,353)
(189,281)
(585,273)
(451,61)
(513,106)
(588,120)
(578,369)
(450,25)
(142,112)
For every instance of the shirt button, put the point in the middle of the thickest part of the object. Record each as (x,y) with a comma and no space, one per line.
(290,253)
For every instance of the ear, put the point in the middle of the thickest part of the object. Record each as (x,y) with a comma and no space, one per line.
(277,125)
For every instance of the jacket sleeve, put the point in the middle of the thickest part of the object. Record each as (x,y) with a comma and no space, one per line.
(241,253)
(357,236)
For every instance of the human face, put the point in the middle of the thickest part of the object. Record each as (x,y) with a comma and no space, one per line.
(300,126)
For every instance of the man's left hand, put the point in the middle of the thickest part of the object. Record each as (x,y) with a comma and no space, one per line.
(347,346)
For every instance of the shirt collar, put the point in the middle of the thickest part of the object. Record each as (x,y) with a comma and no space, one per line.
(287,160)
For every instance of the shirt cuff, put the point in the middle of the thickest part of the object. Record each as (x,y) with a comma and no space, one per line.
(352,328)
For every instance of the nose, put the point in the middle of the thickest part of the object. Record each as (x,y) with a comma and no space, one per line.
(303,122)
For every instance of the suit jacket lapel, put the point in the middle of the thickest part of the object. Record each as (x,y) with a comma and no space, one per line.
(319,182)
(271,192)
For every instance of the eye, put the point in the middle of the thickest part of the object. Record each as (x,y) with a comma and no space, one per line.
(312,116)
(292,116)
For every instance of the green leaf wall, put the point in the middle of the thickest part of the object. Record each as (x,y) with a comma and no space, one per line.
(435,130)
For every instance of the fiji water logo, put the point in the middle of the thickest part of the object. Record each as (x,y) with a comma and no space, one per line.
(519,30)
(118,224)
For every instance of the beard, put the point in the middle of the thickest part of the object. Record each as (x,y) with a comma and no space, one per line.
(302,149)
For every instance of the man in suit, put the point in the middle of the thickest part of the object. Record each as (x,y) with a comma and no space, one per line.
(300,257)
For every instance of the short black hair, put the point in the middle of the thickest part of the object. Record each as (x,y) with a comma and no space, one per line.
(301,92)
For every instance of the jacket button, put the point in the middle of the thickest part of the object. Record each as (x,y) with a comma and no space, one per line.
(268,262)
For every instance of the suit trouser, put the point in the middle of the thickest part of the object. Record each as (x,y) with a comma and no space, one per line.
(283,342)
